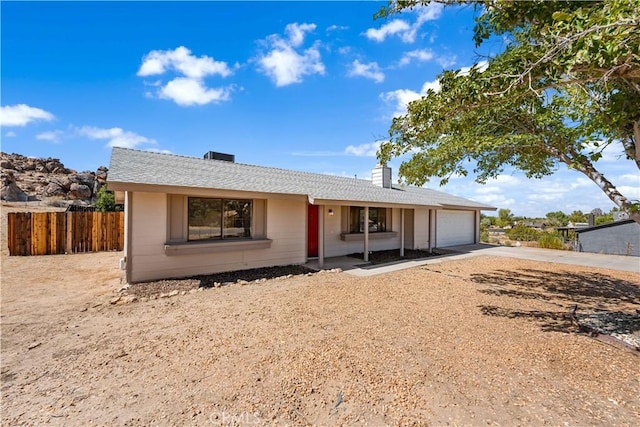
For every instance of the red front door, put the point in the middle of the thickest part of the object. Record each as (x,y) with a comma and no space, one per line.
(312,231)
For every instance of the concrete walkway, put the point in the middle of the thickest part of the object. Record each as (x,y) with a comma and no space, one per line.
(614,262)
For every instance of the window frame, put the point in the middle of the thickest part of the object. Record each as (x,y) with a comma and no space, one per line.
(224,218)
(356,213)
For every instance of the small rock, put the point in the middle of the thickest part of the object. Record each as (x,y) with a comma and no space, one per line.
(242,282)
(173,293)
(115,300)
(129,299)
(183,293)
(34,345)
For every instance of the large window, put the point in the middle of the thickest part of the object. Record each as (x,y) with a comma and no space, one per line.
(377,220)
(219,218)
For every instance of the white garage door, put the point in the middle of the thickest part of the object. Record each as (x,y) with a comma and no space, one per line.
(455,228)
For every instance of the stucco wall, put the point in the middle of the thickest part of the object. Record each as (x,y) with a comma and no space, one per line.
(285,224)
(421,228)
(622,239)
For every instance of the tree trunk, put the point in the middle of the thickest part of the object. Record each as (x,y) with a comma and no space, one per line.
(606,186)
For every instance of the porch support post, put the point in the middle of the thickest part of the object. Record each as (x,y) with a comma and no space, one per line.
(476,217)
(432,228)
(321,236)
(401,232)
(366,234)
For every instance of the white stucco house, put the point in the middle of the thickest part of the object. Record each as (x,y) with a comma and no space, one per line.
(186,216)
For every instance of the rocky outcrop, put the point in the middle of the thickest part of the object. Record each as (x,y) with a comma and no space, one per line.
(27,178)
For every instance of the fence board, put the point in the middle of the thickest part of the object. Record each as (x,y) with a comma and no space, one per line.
(45,233)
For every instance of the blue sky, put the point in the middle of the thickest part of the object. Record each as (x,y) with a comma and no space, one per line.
(310,86)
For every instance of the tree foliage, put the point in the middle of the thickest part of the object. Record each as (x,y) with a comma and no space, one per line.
(565,87)
(105,201)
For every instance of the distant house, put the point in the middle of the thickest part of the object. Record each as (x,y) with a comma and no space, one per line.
(538,225)
(187,216)
(618,238)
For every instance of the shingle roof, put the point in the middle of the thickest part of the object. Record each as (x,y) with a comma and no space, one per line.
(144,167)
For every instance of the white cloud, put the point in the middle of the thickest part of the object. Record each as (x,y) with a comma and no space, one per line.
(632,178)
(22,114)
(407,32)
(297,32)
(394,27)
(187,91)
(420,55)
(10,134)
(446,61)
(369,71)
(344,50)
(630,192)
(52,136)
(183,61)
(363,150)
(283,63)
(402,97)
(115,137)
(189,88)
(336,28)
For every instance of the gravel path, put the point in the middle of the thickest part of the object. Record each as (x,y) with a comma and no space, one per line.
(471,342)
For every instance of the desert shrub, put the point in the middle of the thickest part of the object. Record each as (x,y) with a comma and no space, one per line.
(484,236)
(522,232)
(106,201)
(549,241)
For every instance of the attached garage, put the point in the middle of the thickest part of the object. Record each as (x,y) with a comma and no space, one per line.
(455,227)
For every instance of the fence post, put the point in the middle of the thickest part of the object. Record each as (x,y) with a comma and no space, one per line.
(69,242)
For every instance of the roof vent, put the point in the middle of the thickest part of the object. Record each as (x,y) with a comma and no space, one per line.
(381,176)
(213,155)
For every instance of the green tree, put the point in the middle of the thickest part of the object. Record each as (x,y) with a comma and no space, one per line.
(565,87)
(106,201)
(557,219)
(604,219)
(578,216)
(505,217)
(524,233)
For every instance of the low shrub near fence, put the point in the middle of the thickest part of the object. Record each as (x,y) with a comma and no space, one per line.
(549,241)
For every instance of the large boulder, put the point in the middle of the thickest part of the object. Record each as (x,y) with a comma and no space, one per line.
(10,191)
(83,178)
(6,164)
(79,192)
(55,189)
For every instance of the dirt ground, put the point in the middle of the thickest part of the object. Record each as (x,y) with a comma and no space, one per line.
(482,341)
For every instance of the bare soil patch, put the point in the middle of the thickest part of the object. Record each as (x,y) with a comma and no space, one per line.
(477,341)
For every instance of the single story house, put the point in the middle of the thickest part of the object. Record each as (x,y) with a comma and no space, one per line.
(616,238)
(186,216)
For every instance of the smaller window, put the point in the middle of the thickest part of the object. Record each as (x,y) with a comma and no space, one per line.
(377,220)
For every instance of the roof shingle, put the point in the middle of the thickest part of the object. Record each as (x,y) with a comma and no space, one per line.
(129,166)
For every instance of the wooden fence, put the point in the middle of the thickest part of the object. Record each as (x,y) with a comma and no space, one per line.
(48,233)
